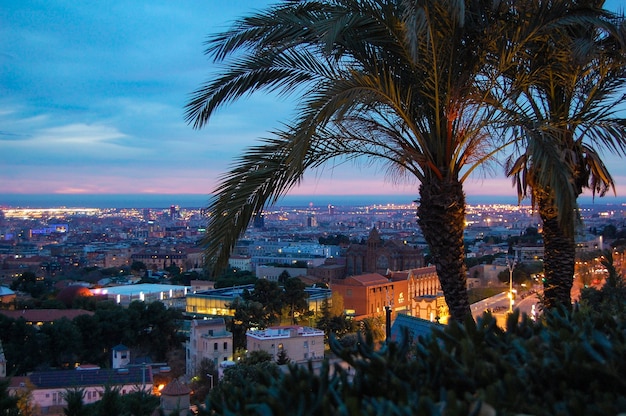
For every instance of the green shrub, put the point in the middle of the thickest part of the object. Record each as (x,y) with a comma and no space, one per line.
(565,364)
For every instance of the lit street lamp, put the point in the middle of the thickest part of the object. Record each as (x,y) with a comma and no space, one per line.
(210,376)
(510,264)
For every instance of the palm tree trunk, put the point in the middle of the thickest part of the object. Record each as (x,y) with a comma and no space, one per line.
(441,216)
(559,257)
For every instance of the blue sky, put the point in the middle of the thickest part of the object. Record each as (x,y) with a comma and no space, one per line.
(92,97)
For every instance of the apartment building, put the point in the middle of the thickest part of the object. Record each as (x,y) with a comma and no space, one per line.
(208,339)
(300,343)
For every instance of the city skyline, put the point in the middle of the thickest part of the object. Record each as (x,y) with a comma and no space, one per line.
(94,97)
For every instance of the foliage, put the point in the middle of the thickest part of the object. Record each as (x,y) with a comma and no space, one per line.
(234,277)
(139,403)
(255,371)
(565,364)
(334,240)
(332,319)
(8,403)
(150,328)
(29,283)
(282,358)
(480,293)
(295,298)
(110,403)
(521,273)
(283,276)
(402,84)
(201,383)
(75,405)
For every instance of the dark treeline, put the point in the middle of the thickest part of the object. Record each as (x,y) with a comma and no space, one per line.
(148,329)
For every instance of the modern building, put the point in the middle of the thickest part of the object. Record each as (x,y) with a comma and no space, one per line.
(217,302)
(208,339)
(301,344)
(173,296)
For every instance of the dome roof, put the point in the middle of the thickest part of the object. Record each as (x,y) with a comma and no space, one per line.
(175,388)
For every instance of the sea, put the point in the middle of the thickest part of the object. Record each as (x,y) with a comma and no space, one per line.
(160,201)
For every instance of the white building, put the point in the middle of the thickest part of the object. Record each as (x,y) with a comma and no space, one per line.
(173,296)
(300,343)
(48,388)
(243,263)
(208,339)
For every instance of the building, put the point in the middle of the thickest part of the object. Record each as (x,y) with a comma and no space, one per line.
(216,302)
(378,256)
(412,327)
(175,398)
(208,339)
(273,272)
(366,295)
(301,344)
(173,296)
(39,317)
(432,308)
(7,298)
(48,388)
(121,356)
(243,263)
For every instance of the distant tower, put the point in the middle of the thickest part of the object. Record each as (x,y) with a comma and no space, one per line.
(331,209)
(311,221)
(3,363)
(172,212)
(121,356)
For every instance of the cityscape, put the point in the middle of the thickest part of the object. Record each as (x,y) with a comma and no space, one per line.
(334,250)
(406,216)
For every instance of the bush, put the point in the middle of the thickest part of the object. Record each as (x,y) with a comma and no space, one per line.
(565,364)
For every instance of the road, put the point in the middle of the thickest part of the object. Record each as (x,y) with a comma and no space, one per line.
(500,303)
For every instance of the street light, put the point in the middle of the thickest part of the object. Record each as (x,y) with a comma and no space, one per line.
(510,264)
(210,376)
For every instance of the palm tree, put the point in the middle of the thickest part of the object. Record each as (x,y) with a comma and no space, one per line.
(568,80)
(396,82)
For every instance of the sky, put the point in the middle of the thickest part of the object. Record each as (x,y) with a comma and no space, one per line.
(92,97)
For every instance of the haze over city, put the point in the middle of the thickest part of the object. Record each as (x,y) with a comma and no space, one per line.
(93,104)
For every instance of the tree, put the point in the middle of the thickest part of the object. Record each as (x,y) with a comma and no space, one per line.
(283,276)
(268,294)
(75,404)
(402,83)
(8,403)
(295,298)
(568,80)
(139,403)
(110,403)
(282,358)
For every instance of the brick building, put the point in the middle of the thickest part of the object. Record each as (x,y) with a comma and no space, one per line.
(378,256)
